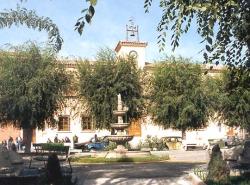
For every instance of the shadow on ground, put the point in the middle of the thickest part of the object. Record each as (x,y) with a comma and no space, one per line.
(143,173)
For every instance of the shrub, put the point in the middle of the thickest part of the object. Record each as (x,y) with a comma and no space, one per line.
(53,146)
(111,146)
(153,143)
(218,171)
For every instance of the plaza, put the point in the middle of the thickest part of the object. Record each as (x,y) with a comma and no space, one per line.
(118,96)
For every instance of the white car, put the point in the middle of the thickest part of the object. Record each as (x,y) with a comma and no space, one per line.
(194,143)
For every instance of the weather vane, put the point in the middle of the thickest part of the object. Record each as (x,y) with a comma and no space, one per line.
(132,30)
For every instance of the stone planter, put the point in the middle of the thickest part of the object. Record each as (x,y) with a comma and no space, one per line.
(145,149)
(160,153)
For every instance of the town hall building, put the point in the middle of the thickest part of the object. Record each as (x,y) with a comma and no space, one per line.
(73,120)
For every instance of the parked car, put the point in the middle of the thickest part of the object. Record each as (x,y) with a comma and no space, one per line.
(173,142)
(96,146)
(194,143)
(100,144)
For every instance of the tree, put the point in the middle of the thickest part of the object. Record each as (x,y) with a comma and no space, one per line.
(177,98)
(101,82)
(213,88)
(223,25)
(22,16)
(235,103)
(31,88)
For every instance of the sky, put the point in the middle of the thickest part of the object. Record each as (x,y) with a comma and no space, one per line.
(107,28)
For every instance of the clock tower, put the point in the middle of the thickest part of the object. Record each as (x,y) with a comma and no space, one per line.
(132,45)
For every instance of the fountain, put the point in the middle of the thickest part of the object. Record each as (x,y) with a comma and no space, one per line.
(120,137)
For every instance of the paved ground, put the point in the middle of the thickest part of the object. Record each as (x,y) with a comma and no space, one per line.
(163,173)
(192,156)
(172,172)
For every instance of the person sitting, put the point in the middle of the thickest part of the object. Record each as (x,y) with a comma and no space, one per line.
(49,141)
(94,139)
(67,140)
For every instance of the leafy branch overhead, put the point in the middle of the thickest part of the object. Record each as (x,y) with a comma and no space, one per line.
(29,18)
(89,13)
(223,25)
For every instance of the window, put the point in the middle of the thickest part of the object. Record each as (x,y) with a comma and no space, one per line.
(86,123)
(63,124)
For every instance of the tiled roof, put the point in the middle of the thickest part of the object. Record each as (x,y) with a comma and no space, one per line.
(130,43)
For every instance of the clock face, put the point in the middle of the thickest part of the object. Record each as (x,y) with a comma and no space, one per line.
(133,54)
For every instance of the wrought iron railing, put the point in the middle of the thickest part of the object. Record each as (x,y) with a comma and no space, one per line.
(201,173)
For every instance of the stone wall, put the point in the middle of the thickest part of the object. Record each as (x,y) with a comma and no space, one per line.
(7,131)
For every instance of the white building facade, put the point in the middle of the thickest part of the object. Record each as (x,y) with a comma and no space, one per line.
(73,121)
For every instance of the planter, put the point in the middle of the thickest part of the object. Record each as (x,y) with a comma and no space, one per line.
(145,149)
(160,153)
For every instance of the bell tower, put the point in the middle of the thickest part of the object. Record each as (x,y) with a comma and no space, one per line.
(132,45)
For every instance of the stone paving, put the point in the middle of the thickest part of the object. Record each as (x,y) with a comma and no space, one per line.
(137,174)
(172,172)
(193,156)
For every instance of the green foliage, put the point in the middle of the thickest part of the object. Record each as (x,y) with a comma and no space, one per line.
(115,160)
(54,147)
(213,89)
(111,146)
(102,81)
(153,143)
(235,104)
(22,16)
(31,86)
(89,14)
(223,25)
(177,99)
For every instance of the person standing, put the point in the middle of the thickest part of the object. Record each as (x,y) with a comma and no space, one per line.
(56,139)
(75,140)
(19,141)
(10,141)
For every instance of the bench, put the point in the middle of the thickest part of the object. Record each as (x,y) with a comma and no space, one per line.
(37,147)
(43,150)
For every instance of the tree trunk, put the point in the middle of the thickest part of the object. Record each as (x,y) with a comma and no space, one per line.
(27,138)
(183,134)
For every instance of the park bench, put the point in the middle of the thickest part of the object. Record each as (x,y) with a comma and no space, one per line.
(37,147)
(43,150)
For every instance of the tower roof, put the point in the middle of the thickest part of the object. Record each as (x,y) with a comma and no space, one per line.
(130,44)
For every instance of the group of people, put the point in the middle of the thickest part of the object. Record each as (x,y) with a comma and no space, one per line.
(11,144)
(57,140)
(74,139)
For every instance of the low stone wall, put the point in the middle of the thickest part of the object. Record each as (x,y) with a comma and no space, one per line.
(160,153)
